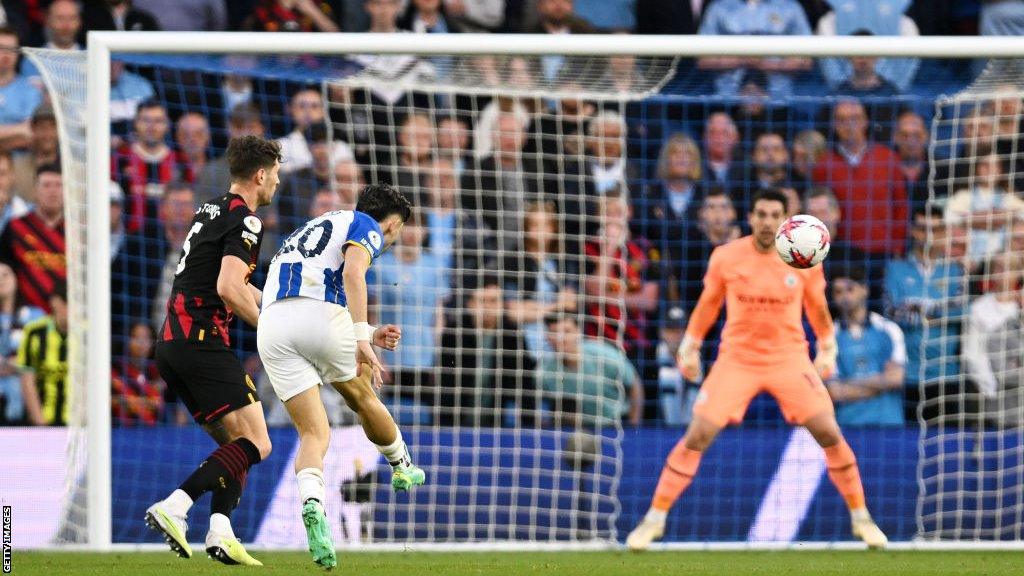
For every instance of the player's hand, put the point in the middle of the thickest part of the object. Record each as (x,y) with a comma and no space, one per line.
(688,359)
(387,336)
(825,359)
(365,353)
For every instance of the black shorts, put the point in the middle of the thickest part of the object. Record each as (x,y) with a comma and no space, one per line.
(209,379)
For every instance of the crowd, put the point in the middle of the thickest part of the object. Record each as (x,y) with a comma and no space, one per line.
(558,243)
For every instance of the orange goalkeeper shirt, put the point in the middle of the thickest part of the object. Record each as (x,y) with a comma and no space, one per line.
(764,300)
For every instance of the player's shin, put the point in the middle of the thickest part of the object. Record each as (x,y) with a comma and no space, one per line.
(843,472)
(680,468)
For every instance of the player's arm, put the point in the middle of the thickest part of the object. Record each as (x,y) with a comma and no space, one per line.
(816,308)
(703,316)
(862,388)
(357,263)
(257,294)
(233,289)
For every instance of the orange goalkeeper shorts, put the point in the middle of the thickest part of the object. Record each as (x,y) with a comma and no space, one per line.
(730,386)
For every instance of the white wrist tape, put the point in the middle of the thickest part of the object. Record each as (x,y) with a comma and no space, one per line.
(364,331)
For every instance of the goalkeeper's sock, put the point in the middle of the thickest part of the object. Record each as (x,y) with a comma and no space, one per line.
(311,484)
(223,472)
(843,472)
(396,453)
(680,468)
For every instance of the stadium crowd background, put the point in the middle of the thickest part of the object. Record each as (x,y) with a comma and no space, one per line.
(856,158)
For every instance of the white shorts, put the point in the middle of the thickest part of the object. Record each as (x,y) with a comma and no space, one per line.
(305,342)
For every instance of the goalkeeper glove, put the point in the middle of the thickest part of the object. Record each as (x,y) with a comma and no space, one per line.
(688,359)
(825,359)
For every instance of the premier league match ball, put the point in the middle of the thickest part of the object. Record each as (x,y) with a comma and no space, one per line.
(802,241)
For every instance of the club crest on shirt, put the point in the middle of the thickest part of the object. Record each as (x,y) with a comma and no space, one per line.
(375,240)
(790,280)
(253,223)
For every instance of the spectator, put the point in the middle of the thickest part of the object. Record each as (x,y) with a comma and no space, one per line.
(1001,18)
(606,167)
(324,201)
(409,285)
(42,358)
(668,16)
(675,396)
(118,15)
(19,96)
(746,17)
(144,165)
(177,207)
(136,259)
(411,158)
(869,17)
(306,110)
(137,392)
(33,245)
(671,202)
(821,203)
(1017,237)
(922,292)
(720,140)
(867,386)
(192,138)
(11,206)
(127,91)
(484,366)
(117,235)
(609,15)
(444,16)
(392,70)
(584,378)
(624,76)
(348,183)
(215,178)
(187,15)
(558,17)
(12,318)
(453,142)
(794,205)
(296,190)
(809,148)
(911,139)
(864,80)
(63,24)
(987,207)
(993,341)
(292,16)
(441,217)
(44,148)
(769,167)
(865,178)
(540,279)
(756,113)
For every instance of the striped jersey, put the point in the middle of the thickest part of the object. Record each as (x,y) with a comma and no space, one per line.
(44,353)
(310,261)
(36,253)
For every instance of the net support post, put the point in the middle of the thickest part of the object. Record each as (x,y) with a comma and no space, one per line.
(97,373)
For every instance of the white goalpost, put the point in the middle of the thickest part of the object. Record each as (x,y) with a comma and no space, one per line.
(589,489)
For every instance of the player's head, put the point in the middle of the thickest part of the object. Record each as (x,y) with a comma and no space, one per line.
(254,162)
(388,207)
(768,209)
(849,289)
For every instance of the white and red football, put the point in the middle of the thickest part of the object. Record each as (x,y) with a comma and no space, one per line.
(802,241)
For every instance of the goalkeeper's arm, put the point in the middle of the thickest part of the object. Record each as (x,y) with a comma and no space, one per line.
(704,315)
(816,307)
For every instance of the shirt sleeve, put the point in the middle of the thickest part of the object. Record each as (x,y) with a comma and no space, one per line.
(710,23)
(713,275)
(366,233)
(245,232)
(798,25)
(22,360)
(898,347)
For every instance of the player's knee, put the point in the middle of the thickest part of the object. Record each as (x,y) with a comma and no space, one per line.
(700,435)
(824,429)
(264,446)
(317,438)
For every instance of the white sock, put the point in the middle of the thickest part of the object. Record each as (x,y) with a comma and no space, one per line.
(178,503)
(311,484)
(396,453)
(654,515)
(221,525)
(860,514)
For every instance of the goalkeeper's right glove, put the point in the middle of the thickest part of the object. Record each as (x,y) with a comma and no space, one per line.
(688,359)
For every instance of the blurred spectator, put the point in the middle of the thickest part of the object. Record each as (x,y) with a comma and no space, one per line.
(348,183)
(136,259)
(118,15)
(622,76)
(215,178)
(43,360)
(1001,18)
(177,207)
(675,397)
(716,225)
(146,163)
(117,234)
(11,206)
(44,148)
(394,69)
(821,203)
(192,138)
(483,130)
(867,386)
(558,17)
(137,392)
(669,16)
(582,377)
(306,110)
(923,293)
(1017,237)
(442,16)
(19,96)
(13,15)
(606,166)
(721,137)
(33,245)
(408,164)
(293,16)
(324,201)
(769,168)
(911,140)
(756,113)
(993,341)
(127,91)
(297,188)
(750,17)
(187,15)
(540,279)
(483,363)
(61,31)
(12,318)
(562,130)
(453,142)
(794,205)
(864,79)
(865,178)
(809,148)
(986,207)
(869,17)
(440,215)
(609,15)
(670,203)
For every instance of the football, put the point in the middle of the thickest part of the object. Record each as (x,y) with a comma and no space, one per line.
(802,241)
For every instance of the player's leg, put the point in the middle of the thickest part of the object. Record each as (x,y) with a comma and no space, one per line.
(804,400)
(310,419)
(380,428)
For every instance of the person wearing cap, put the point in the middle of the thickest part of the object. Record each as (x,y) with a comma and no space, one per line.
(675,396)
(42,149)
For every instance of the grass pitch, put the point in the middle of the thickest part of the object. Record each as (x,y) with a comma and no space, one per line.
(840,563)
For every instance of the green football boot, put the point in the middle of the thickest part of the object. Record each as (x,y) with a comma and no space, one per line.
(318,533)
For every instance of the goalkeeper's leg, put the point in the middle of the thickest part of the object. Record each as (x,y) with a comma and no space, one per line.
(380,428)
(307,413)
(844,474)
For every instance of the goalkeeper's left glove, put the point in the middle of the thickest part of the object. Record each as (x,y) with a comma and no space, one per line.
(825,359)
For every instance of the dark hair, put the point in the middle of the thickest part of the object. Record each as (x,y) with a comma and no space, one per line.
(148,104)
(378,201)
(49,167)
(8,31)
(555,318)
(175,186)
(929,211)
(850,272)
(59,290)
(248,154)
(316,133)
(717,190)
(244,112)
(771,195)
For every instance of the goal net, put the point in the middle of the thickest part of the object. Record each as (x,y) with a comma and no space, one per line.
(566,207)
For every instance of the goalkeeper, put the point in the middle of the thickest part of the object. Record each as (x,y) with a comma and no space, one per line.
(763,348)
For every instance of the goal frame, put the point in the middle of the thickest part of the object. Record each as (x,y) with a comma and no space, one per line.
(102,45)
